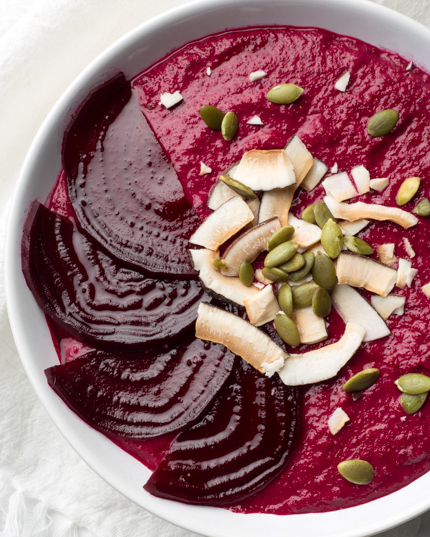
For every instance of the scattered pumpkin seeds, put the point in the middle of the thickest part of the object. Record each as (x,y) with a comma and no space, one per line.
(332,239)
(324,272)
(407,190)
(423,208)
(302,294)
(321,303)
(413,383)
(295,263)
(281,253)
(282,235)
(412,403)
(284,94)
(229,126)
(357,245)
(212,116)
(219,264)
(356,471)
(287,329)
(241,189)
(285,299)
(308,214)
(361,381)
(309,258)
(382,123)
(246,273)
(275,275)
(323,214)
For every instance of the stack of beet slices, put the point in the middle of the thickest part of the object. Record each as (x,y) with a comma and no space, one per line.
(115,274)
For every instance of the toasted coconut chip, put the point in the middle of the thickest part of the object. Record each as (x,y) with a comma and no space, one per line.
(356,211)
(229,289)
(219,194)
(378,184)
(386,254)
(263,307)
(261,278)
(343,81)
(339,186)
(305,234)
(311,328)
(360,271)
(352,228)
(386,305)
(323,363)
(334,168)
(204,169)
(300,158)
(265,170)
(411,275)
(361,178)
(426,289)
(248,246)
(402,272)
(241,337)
(314,175)
(353,308)
(254,205)
(222,224)
(408,248)
(337,420)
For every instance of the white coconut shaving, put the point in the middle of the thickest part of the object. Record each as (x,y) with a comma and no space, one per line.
(256,75)
(170,99)
(208,71)
(272,368)
(334,168)
(204,169)
(255,120)
(343,81)
(337,420)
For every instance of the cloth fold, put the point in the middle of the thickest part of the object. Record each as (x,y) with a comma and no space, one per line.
(45,488)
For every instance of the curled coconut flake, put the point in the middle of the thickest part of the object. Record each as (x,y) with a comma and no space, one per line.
(256,75)
(170,99)
(204,169)
(337,420)
(255,120)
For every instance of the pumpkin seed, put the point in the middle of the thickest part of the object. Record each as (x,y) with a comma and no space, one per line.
(423,208)
(275,275)
(284,94)
(323,272)
(308,214)
(212,116)
(285,299)
(413,383)
(361,381)
(295,263)
(229,126)
(356,471)
(358,246)
(321,303)
(412,403)
(302,294)
(246,273)
(281,253)
(309,258)
(238,187)
(219,264)
(282,235)
(323,214)
(287,329)
(382,123)
(407,190)
(332,239)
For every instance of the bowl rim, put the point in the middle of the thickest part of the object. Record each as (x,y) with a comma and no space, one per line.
(184,515)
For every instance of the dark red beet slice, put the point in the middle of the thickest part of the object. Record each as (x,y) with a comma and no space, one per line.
(242,443)
(124,191)
(95,298)
(144,396)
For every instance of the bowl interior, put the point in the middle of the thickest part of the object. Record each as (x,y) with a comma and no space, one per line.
(136,51)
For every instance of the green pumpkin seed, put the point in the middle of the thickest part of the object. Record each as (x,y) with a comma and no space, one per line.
(407,190)
(229,126)
(281,253)
(358,246)
(308,214)
(282,235)
(246,273)
(423,208)
(287,329)
(219,264)
(212,116)
(323,272)
(412,403)
(238,187)
(382,123)
(295,263)
(302,294)
(321,303)
(309,258)
(275,275)
(361,381)
(332,239)
(413,383)
(285,299)
(284,94)
(356,471)
(322,214)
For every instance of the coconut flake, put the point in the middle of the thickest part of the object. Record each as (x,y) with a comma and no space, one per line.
(409,66)
(339,187)
(378,184)
(408,248)
(265,170)
(314,175)
(274,367)
(334,168)
(255,120)
(305,234)
(261,278)
(170,99)
(410,276)
(219,194)
(386,254)
(311,328)
(402,272)
(360,271)
(262,307)
(256,75)
(350,229)
(337,420)
(426,289)
(259,285)
(386,305)
(204,169)
(361,178)
(300,158)
(343,81)
(208,71)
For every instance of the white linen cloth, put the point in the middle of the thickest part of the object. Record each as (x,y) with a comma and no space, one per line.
(45,488)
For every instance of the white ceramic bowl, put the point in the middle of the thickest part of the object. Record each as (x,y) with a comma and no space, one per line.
(131,54)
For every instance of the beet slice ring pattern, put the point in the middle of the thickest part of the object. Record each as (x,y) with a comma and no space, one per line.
(123,189)
(242,443)
(93,297)
(142,396)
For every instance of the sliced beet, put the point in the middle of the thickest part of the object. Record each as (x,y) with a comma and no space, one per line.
(94,297)
(142,396)
(242,443)
(124,191)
